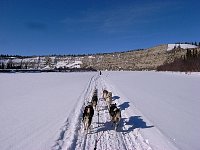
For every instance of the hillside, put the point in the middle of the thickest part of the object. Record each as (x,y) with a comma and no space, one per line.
(145,59)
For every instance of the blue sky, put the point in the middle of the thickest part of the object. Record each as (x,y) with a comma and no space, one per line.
(40,27)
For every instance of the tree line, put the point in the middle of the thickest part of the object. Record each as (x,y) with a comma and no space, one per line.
(192,43)
(190,62)
(11,65)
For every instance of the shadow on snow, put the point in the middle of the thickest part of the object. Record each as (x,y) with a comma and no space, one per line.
(133,122)
(115,97)
(124,105)
(105,126)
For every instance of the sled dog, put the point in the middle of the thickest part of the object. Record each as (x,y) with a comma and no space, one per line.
(109,99)
(87,116)
(105,94)
(115,115)
(94,99)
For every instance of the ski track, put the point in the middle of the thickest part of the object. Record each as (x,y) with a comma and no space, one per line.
(73,136)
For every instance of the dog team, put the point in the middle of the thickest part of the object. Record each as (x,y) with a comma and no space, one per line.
(114,112)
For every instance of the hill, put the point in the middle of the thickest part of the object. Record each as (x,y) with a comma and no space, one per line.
(143,59)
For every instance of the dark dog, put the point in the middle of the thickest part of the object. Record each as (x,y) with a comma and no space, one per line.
(87,116)
(105,94)
(94,99)
(115,115)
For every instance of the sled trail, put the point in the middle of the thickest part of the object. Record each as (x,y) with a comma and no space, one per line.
(101,134)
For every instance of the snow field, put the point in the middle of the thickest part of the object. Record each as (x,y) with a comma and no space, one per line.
(160,111)
(102,130)
(33,107)
(170,101)
(128,134)
(184,46)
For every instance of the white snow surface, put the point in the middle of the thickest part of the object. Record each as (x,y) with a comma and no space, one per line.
(184,46)
(61,64)
(169,100)
(75,64)
(33,107)
(43,111)
(91,57)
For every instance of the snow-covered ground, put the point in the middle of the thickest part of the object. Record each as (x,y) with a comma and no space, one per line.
(75,64)
(43,111)
(184,46)
(169,100)
(33,107)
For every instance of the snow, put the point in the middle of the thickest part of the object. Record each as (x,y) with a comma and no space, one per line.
(184,46)
(33,107)
(47,67)
(169,100)
(65,62)
(16,60)
(76,64)
(61,64)
(91,57)
(43,111)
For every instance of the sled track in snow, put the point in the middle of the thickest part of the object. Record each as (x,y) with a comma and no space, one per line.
(73,136)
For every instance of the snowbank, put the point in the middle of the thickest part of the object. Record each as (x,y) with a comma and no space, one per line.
(184,46)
